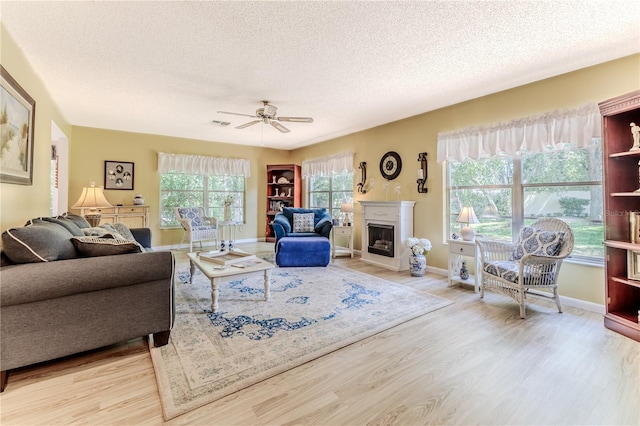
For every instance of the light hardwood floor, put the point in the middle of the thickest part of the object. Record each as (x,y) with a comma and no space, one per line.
(473,362)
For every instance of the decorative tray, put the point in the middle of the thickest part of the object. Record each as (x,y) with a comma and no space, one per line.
(283,180)
(226,257)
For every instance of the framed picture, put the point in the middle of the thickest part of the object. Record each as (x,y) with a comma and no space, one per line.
(634,227)
(17,120)
(118,175)
(633,263)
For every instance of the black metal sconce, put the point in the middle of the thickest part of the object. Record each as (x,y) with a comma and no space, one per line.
(422,173)
(363,177)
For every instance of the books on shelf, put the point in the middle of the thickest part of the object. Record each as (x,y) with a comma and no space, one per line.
(226,257)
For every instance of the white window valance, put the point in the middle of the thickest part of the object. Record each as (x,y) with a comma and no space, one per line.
(550,131)
(202,165)
(327,166)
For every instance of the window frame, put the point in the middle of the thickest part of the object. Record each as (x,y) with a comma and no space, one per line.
(518,188)
(333,211)
(216,210)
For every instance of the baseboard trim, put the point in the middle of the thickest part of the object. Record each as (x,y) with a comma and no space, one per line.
(566,301)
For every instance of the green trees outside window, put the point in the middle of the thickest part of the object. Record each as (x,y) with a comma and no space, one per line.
(186,190)
(330,192)
(508,193)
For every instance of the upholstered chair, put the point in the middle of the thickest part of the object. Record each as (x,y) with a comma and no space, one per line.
(299,222)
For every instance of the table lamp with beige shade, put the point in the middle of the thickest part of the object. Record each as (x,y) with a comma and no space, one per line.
(92,198)
(346,208)
(468,217)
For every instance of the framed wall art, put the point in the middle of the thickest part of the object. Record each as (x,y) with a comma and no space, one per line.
(17,120)
(118,175)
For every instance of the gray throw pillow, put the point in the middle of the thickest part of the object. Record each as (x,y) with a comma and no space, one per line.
(78,220)
(96,246)
(69,224)
(40,241)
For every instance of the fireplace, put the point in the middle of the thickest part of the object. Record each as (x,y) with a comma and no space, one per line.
(386,225)
(380,239)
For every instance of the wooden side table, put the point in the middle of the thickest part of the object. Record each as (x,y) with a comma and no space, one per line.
(342,231)
(457,250)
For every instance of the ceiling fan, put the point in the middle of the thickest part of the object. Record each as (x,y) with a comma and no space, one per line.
(267,115)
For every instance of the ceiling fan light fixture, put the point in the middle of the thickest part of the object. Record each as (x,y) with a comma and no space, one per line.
(269,110)
(267,115)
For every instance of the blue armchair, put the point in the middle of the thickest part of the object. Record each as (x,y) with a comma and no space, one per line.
(283,223)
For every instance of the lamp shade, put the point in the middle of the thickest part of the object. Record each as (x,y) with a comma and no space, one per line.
(346,208)
(91,197)
(467,215)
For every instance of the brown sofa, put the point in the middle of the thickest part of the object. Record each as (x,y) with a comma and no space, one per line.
(71,303)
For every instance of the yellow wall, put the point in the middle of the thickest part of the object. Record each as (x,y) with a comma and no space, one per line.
(22,202)
(90,147)
(419,134)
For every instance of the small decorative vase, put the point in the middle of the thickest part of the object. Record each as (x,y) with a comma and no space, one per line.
(464,272)
(417,265)
(138,200)
(227,212)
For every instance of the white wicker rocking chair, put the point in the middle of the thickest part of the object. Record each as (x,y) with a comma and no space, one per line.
(197,226)
(538,266)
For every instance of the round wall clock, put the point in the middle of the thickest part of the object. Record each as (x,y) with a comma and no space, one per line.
(390,165)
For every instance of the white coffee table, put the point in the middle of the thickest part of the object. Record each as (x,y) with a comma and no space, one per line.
(216,273)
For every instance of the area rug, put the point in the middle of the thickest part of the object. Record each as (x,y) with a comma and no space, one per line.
(311,312)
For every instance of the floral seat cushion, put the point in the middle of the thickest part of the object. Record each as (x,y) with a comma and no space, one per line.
(508,270)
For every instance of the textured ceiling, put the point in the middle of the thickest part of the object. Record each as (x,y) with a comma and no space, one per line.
(167,67)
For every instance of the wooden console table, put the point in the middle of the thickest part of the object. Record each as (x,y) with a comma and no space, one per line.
(132,216)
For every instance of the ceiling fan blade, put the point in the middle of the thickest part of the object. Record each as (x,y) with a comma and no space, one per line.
(251,123)
(236,113)
(296,119)
(280,127)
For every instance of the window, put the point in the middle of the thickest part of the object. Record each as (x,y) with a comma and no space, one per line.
(487,186)
(330,192)
(190,190)
(508,193)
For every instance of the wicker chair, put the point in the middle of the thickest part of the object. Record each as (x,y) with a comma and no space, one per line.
(197,226)
(531,263)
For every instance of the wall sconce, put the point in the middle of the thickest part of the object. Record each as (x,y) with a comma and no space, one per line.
(363,177)
(422,173)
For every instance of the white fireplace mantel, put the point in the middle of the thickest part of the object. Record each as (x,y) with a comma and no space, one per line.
(396,213)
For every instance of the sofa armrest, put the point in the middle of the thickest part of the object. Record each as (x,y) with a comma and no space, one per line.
(282,220)
(142,235)
(324,225)
(324,228)
(25,283)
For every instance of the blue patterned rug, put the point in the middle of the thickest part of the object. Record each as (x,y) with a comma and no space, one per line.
(311,312)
